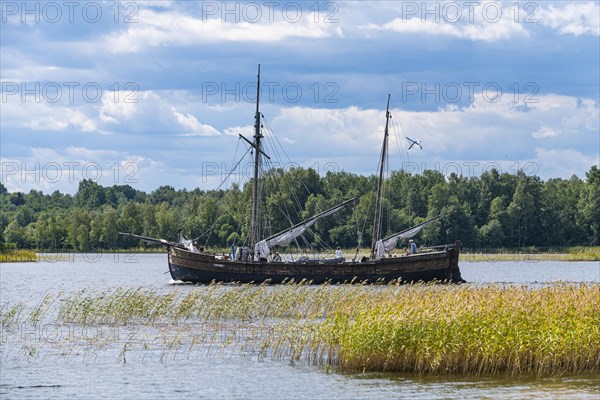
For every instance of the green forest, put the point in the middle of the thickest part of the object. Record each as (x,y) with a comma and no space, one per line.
(490,211)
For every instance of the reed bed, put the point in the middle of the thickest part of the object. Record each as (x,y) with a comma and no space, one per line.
(577,253)
(513,257)
(422,329)
(480,331)
(18,256)
(208,303)
(581,253)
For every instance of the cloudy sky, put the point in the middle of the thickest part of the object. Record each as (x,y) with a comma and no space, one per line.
(153,93)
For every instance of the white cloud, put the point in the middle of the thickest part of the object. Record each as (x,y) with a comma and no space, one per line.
(118,105)
(544,132)
(563,163)
(147,113)
(193,126)
(156,3)
(237,130)
(32,65)
(574,18)
(479,21)
(565,115)
(473,22)
(330,131)
(178,29)
(50,169)
(44,116)
(502,30)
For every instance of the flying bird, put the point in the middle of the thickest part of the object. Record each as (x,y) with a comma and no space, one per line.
(414,142)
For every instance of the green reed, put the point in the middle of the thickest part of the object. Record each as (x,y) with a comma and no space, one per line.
(422,328)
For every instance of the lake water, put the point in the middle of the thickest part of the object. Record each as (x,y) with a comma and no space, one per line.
(54,370)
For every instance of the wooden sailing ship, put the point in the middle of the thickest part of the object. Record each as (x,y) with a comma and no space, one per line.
(255,263)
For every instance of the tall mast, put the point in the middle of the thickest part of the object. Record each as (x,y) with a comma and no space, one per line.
(257,151)
(377,221)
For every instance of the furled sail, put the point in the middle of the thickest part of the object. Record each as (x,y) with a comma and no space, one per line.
(189,244)
(283,238)
(383,246)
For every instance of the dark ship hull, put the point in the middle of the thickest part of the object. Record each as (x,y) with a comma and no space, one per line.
(441,265)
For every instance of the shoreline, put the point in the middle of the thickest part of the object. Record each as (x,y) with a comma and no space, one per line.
(494,257)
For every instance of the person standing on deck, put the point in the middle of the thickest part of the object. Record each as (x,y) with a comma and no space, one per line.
(412,247)
(338,252)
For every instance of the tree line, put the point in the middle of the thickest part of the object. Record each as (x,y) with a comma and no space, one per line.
(489,211)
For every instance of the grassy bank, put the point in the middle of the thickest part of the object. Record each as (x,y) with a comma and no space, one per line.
(578,253)
(66,255)
(18,256)
(422,329)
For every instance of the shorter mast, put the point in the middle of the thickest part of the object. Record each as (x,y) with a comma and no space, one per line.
(377,220)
